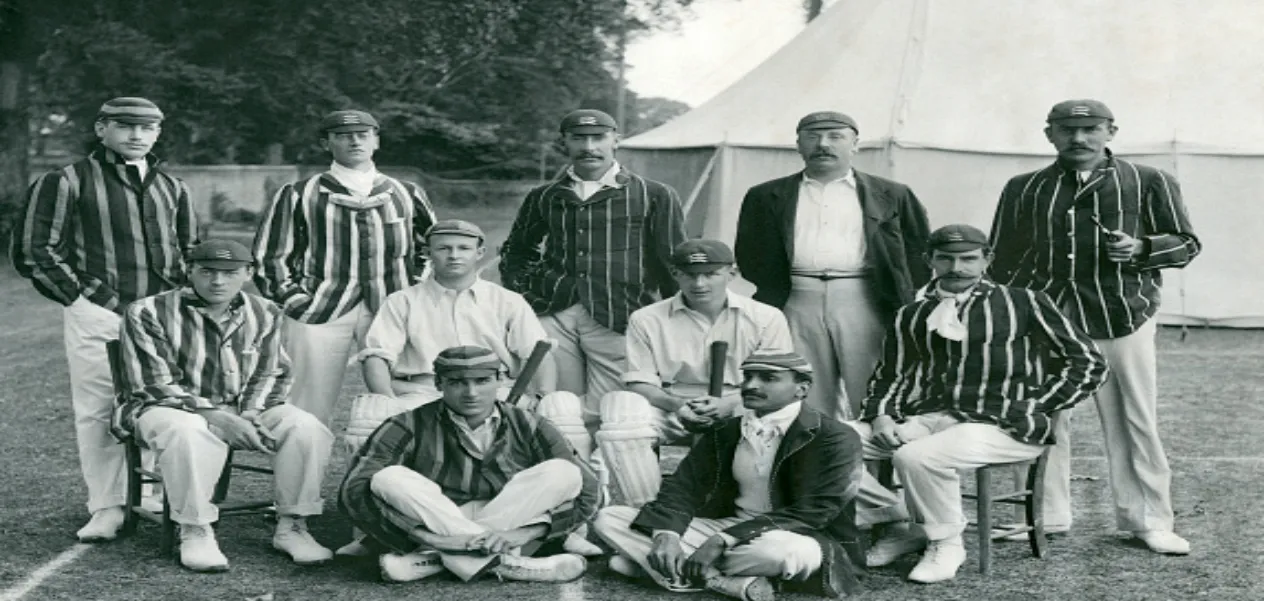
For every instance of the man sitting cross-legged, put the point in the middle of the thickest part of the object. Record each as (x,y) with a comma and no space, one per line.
(969,376)
(769,494)
(204,370)
(669,365)
(469,484)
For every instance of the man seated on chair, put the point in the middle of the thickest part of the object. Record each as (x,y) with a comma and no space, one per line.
(969,376)
(767,495)
(470,484)
(204,371)
(668,350)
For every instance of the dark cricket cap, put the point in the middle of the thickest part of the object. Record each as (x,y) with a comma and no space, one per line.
(344,121)
(777,361)
(957,237)
(701,254)
(130,109)
(587,121)
(221,254)
(456,227)
(826,120)
(466,362)
(1079,113)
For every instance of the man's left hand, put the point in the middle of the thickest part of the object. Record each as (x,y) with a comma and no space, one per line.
(699,564)
(1121,248)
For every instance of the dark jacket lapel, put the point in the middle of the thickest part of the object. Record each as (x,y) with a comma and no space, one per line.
(801,432)
(785,198)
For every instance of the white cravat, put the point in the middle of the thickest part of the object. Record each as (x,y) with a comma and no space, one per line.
(944,319)
(358,182)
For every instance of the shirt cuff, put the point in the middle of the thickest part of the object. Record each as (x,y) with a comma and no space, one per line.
(670,533)
(730,541)
(642,377)
(380,353)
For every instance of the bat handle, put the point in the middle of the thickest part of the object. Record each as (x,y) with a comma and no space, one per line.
(719,355)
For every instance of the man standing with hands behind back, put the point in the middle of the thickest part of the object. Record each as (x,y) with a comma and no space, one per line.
(839,251)
(1093,231)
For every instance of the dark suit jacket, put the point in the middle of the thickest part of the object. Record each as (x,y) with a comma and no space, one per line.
(896,230)
(815,478)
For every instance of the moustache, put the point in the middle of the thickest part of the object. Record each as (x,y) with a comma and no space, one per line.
(588,155)
(753,394)
(823,153)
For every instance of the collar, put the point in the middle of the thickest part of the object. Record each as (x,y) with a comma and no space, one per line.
(493,419)
(432,286)
(340,171)
(190,298)
(1107,164)
(983,288)
(734,301)
(103,154)
(779,419)
(849,179)
(614,177)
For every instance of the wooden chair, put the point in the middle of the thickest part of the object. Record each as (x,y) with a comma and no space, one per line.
(138,476)
(1030,496)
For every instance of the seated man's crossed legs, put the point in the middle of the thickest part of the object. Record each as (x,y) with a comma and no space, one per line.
(191,457)
(742,571)
(471,539)
(936,446)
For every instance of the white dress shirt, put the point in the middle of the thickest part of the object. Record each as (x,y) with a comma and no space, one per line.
(358,182)
(829,227)
(585,189)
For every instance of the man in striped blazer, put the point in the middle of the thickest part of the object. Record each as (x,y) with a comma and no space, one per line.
(969,375)
(331,248)
(97,235)
(470,484)
(1094,232)
(204,372)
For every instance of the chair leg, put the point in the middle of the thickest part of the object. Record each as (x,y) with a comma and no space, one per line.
(132,455)
(983,484)
(1035,506)
(168,544)
(225,476)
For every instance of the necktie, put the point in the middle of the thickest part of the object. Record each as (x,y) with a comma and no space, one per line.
(943,319)
(759,433)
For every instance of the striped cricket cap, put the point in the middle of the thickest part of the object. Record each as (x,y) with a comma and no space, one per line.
(130,109)
(777,361)
(466,362)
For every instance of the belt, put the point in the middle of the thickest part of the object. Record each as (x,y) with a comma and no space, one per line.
(830,275)
(416,378)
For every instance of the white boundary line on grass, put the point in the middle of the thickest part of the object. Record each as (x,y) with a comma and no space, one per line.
(43,572)
(1191,459)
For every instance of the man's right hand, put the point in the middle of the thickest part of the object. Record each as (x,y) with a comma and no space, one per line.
(667,558)
(886,433)
(235,430)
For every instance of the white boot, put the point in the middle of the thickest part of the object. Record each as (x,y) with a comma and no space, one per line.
(577,542)
(104,525)
(940,562)
(746,588)
(409,566)
(199,551)
(557,568)
(293,539)
(897,541)
(355,548)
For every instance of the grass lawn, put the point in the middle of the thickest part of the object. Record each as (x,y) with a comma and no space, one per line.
(1211,406)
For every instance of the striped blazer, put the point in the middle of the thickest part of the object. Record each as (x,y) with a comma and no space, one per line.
(610,253)
(1022,360)
(427,441)
(322,250)
(97,229)
(174,355)
(1045,239)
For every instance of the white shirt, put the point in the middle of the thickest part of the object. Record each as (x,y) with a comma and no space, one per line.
(417,323)
(585,189)
(752,462)
(829,226)
(141,165)
(358,182)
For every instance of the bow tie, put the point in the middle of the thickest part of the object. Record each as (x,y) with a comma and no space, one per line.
(943,320)
(759,433)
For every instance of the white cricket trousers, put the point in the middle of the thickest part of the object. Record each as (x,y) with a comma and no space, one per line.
(191,458)
(87,328)
(774,554)
(414,500)
(320,353)
(838,327)
(1127,406)
(590,357)
(928,464)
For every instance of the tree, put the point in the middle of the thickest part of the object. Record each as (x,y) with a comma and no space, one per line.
(15,64)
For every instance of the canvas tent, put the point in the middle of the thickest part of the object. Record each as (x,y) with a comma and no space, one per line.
(951,97)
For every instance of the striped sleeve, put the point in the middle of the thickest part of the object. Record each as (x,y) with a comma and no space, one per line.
(1171,242)
(522,247)
(423,218)
(1011,236)
(47,237)
(279,248)
(151,370)
(185,219)
(269,384)
(388,445)
(666,231)
(1078,368)
(894,379)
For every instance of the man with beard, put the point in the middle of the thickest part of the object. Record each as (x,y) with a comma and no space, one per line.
(331,248)
(839,251)
(1094,232)
(97,235)
(588,249)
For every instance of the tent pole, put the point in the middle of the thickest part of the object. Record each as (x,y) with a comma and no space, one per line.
(702,181)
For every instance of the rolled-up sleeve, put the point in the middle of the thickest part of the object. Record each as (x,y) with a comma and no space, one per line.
(388,334)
